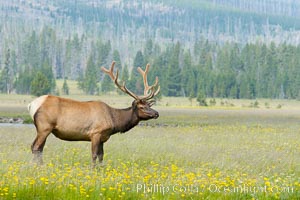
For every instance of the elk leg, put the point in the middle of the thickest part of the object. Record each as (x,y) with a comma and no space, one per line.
(100,152)
(37,148)
(39,143)
(95,149)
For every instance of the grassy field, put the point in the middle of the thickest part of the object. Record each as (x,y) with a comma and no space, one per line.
(228,151)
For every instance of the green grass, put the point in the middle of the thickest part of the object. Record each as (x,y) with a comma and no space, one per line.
(187,153)
(73,87)
(16,105)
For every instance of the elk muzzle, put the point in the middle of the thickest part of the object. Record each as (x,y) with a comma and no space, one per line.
(156,114)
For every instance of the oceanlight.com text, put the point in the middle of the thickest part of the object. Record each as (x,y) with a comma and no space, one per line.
(213,188)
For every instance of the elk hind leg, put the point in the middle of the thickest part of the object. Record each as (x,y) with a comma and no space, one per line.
(38,145)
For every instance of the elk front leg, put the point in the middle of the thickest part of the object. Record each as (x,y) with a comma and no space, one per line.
(100,152)
(97,152)
(96,148)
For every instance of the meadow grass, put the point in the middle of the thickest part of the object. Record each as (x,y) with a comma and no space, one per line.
(187,153)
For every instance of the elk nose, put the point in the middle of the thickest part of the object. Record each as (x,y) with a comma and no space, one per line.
(156,115)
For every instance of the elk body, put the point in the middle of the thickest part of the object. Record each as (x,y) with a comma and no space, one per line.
(93,121)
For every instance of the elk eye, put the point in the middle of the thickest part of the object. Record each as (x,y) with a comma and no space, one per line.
(144,107)
(141,107)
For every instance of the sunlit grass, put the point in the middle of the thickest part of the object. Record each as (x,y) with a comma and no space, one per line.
(193,154)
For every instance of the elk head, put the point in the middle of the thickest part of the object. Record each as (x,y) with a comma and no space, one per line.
(141,104)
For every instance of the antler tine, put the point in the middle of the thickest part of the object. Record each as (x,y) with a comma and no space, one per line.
(144,75)
(114,78)
(153,93)
(110,71)
(157,91)
(154,90)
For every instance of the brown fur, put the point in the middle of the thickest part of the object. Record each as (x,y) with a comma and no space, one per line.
(93,121)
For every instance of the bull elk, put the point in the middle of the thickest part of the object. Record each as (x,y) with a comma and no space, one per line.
(93,121)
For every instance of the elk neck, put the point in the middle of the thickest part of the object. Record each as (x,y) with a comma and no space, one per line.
(124,120)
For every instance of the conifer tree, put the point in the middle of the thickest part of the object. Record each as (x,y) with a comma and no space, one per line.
(40,85)
(174,75)
(23,81)
(136,83)
(65,87)
(90,79)
(5,76)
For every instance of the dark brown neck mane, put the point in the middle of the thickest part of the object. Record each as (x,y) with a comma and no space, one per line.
(124,119)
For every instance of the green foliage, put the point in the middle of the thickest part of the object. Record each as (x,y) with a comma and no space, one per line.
(65,87)
(254,104)
(148,51)
(47,71)
(103,50)
(23,82)
(226,158)
(136,82)
(174,75)
(188,76)
(3,81)
(124,77)
(40,85)
(201,99)
(90,79)
(212,102)
(80,81)
(107,84)
(229,70)
(125,74)
(6,76)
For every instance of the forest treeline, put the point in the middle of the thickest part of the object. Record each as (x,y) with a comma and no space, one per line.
(208,69)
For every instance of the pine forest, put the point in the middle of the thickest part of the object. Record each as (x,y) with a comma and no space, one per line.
(198,48)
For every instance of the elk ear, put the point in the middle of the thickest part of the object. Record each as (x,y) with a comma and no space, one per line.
(134,104)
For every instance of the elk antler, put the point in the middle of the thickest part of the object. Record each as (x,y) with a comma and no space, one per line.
(147,95)
(113,77)
(154,90)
